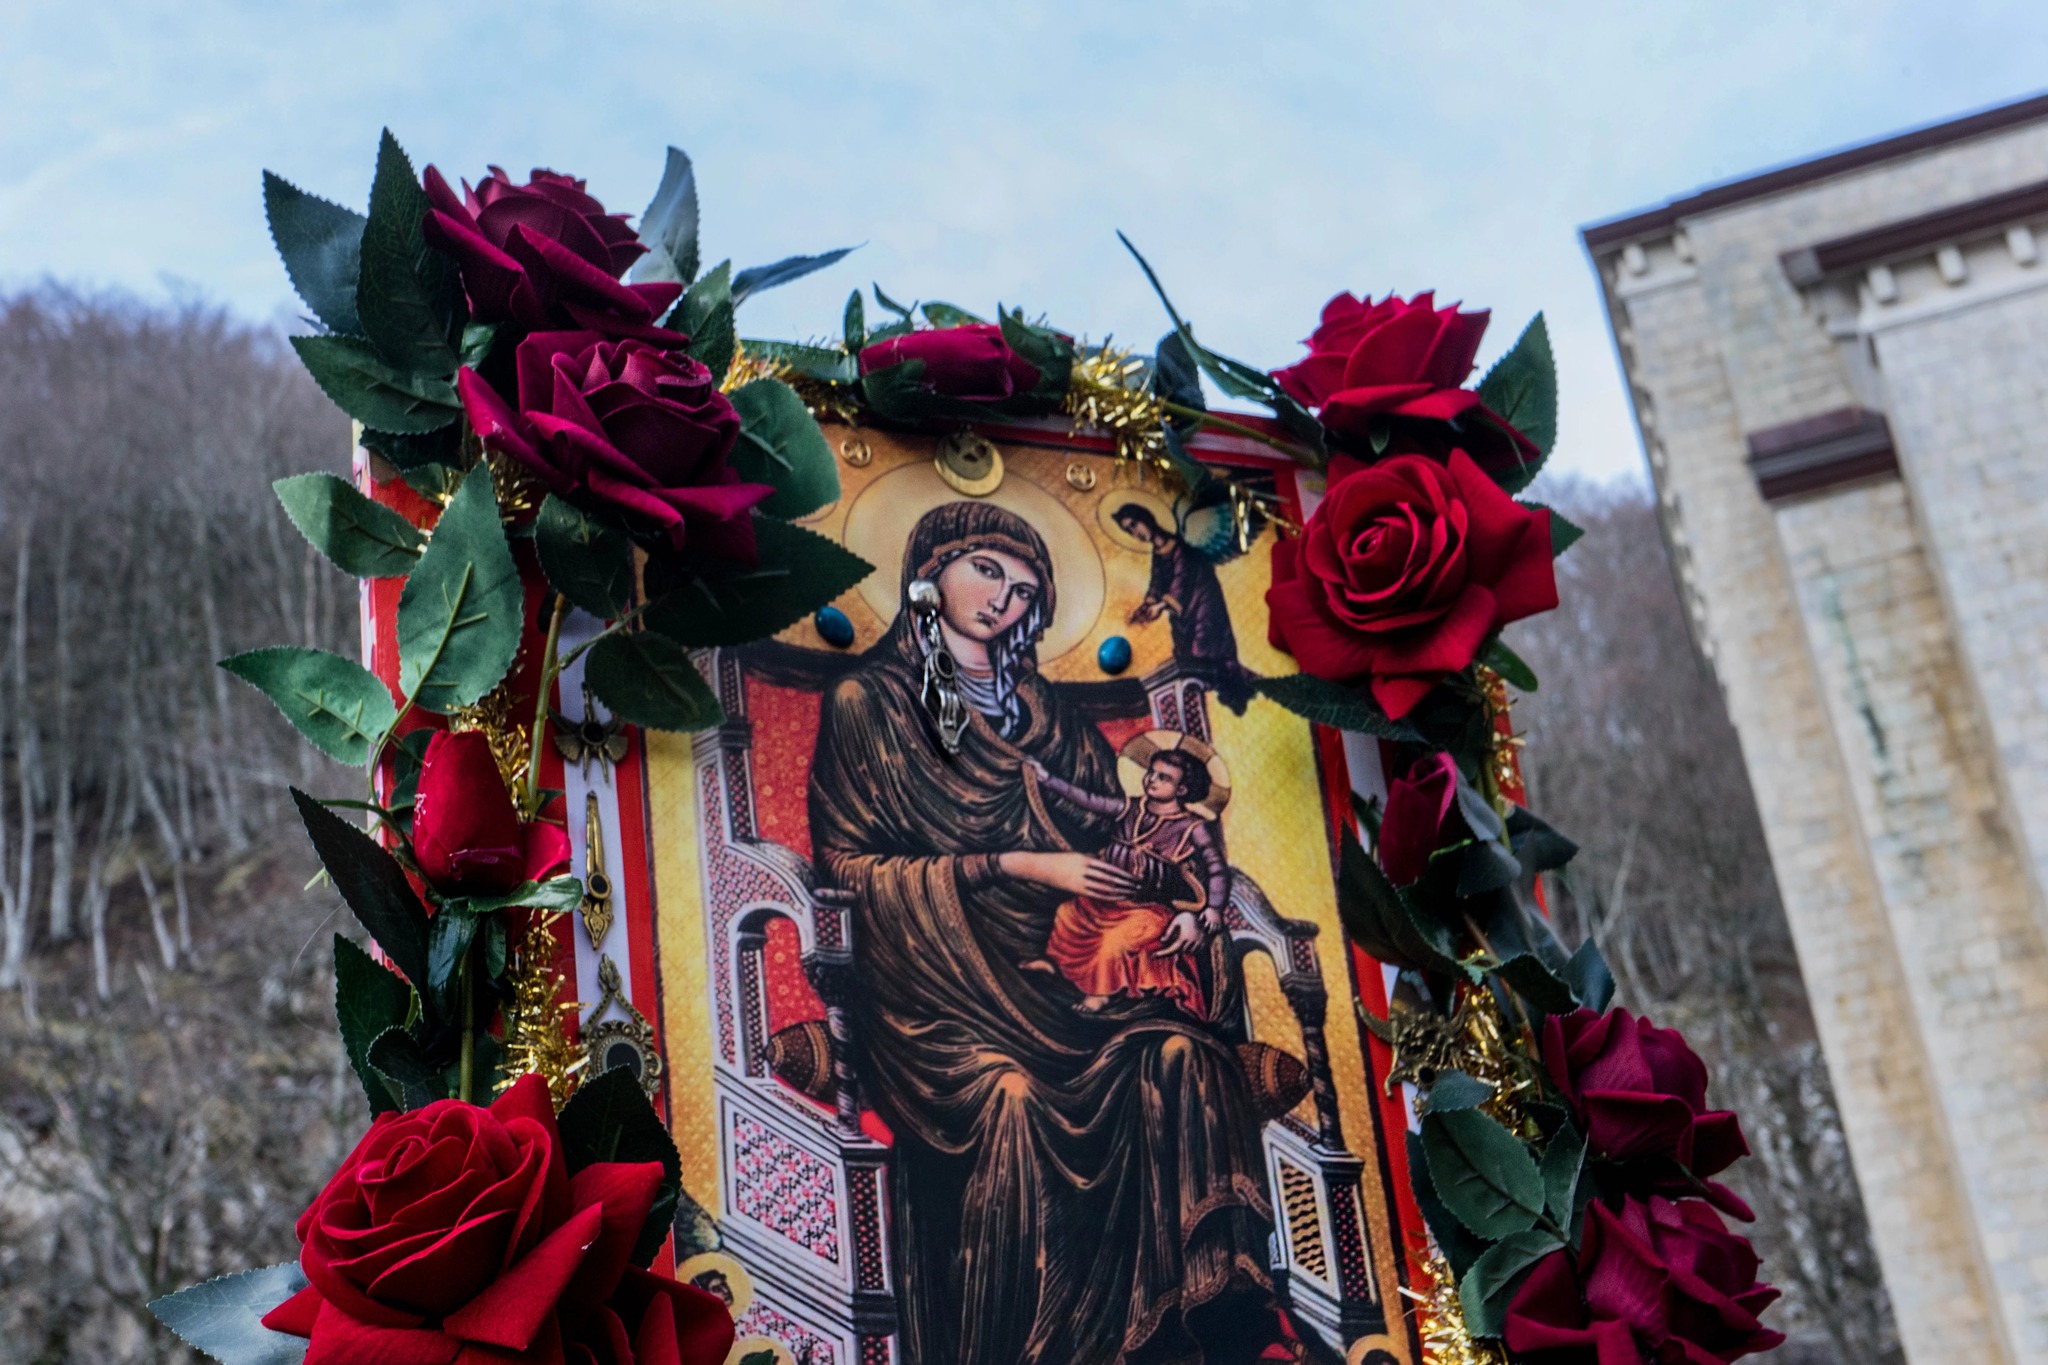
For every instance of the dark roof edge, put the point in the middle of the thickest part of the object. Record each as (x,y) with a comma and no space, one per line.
(1646,222)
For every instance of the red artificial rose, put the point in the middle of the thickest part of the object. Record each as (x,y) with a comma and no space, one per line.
(1658,1283)
(970,362)
(1401,360)
(545,254)
(467,837)
(456,1233)
(621,425)
(1639,1094)
(1403,571)
(1418,819)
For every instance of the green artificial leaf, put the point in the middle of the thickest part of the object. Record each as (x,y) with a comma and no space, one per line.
(335,702)
(1487,863)
(496,948)
(1452,1237)
(382,398)
(855,326)
(368,998)
(1335,705)
(1456,1090)
(1510,665)
(1539,847)
(1563,1160)
(1045,350)
(1535,981)
(669,227)
(321,244)
(885,301)
(477,340)
(362,536)
(556,893)
(431,462)
(372,883)
(609,1119)
(585,560)
(409,296)
(1379,919)
(696,1230)
(398,1057)
(223,1317)
(1587,974)
(1563,532)
(408,754)
(1521,389)
(756,278)
(946,315)
(648,679)
(827,363)
(460,616)
(780,445)
(1235,378)
(1482,1172)
(704,314)
(799,571)
(449,935)
(1176,377)
(1487,1288)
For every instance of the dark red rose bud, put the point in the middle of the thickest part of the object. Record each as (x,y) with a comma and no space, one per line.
(970,362)
(1419,819)
(545,254)
(1403,571)
(456,1232)
(1401,360)
(467,837)
(1654,1282)
(621,425)
(1639,1094)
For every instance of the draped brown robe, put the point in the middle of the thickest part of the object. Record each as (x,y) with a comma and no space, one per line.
(1064,1187)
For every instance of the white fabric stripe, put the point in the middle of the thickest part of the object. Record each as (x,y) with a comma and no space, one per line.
(602,779)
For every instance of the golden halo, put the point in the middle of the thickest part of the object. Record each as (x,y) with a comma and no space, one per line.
(738,1282)
(1136,756)
(749,1346)
(882,516)
(1107,506)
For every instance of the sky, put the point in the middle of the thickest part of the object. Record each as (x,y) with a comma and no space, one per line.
(1264,156)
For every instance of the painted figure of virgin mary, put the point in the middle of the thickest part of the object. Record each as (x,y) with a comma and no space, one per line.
(1074,1186)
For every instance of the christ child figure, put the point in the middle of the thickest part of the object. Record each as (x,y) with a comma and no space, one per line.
(1141,944)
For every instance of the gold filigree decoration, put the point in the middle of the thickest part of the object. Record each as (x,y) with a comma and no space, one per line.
(1440,1321)
(1488,1050)
(596,906)
(1503,759)
(535,1041)
(1425,1045)
(579,741)
(626,1039)
(496,716)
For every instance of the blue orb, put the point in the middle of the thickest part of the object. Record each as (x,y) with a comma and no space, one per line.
(833,627)
(1115,654)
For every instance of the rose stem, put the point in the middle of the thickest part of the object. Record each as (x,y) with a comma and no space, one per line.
(550,666)
(468,1030)
(1212,420)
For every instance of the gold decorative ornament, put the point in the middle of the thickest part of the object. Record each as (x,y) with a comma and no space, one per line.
(1425,1045)
(596,906)
(1108,390)
(969,464)
(579,741)
(626,1040)
(535,1041)
(856,452)
(495,716)
(1080,476)
(1440,1321)
(519,493)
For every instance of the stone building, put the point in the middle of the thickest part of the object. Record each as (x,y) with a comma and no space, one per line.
(1840,374)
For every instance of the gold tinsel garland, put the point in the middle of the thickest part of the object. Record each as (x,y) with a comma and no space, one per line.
(496,716)
(1440,1321)
(1107,390)
(535,1041)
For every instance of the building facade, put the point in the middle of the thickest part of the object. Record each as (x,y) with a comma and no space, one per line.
(1840,374)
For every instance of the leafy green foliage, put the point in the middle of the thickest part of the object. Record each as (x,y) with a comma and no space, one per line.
(449,935)
(609,1119)
(368,998)
(460,615)
(1563,1161)
(704,313)
(223,1317)
(339,705)
(1051,354)
(827,363)
(556,893)
(1592,984)
(1487,863)
(585,560)
(1489,1286)
(409,296)
(946,315)
(398,1056)
(362,536)
(1453,1238)
(1334,704)
(1510,665)
(780,445)
(367,388)
(321,244)
(1564,533)
(1522,388)
(372,883)
(1456,1090)
(669,227)
(1482,1172)
(855,324)
(1175,375)
(799,571)
(756,278)
(1384,922)
(649,680)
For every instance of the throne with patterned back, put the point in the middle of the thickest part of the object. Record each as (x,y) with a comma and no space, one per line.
(805,1178)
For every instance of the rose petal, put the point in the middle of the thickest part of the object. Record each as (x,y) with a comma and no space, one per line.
(339,1339)
(510,1311)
